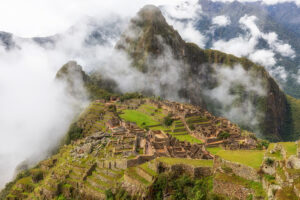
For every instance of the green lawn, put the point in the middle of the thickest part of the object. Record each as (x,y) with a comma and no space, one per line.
(251,158)
(290,147)
(187,138)
(194,162)
(277,155)
(214,150)
(138,117)
(147,169)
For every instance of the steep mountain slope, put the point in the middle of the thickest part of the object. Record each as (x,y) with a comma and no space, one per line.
(152,39)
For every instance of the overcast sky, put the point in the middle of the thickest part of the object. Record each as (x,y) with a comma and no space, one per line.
(47,17)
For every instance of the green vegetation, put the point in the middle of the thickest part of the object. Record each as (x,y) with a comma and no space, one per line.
(290,147)
(148,170)
(182,187)
(120,194)
(193,162)
(74,133)
(270,179)
(214,150)
(251,158)
(128,96)
(168,121)
(187,138)
(138,117)
(269,161)
(223,135)
(263,144)
(132,172)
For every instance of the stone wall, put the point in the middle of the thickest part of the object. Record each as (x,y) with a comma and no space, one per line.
(195,172)
(139,160)
(238,169)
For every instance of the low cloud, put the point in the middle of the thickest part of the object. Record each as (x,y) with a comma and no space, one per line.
(232,96)
(221,20)
(183,17)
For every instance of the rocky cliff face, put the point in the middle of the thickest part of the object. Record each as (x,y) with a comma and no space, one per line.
(150,42)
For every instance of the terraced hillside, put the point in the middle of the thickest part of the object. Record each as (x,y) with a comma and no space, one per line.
(126,148)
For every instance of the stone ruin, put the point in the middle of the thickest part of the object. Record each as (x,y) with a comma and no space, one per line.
(210,131)
(160,144)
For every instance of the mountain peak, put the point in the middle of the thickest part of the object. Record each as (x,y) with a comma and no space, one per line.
(152,14)
(149,34)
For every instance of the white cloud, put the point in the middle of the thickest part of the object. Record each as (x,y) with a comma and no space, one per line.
(221,20)
(35,111)
(263,57)
(279,46)
(230,105)
(279,72)
(297,76)
(183,16)
(47,17)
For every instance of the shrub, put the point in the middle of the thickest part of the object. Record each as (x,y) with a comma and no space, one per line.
(112,108)
(192,127)
(168,121)
(223,135)
(182,187)
(37,176)
(263,144)
(269,162)
(74,133)
(128,96)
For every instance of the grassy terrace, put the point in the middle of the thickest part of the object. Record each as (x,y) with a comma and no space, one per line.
(146,168)
(290,147)
(183,135)
(187,138)
(214,150)
(141,119)
(277,155)
(251,158)
(193,162)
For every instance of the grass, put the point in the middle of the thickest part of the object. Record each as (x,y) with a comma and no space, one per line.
(147,169)
(256,186)
(214,150)
(138,117)
(251,158)
(132,173)
(290,147)
(187,138)
(193,162)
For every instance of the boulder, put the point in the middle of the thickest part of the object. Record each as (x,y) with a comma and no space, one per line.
(293,162)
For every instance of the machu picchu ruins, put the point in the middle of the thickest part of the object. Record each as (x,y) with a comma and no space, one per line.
(127,145)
